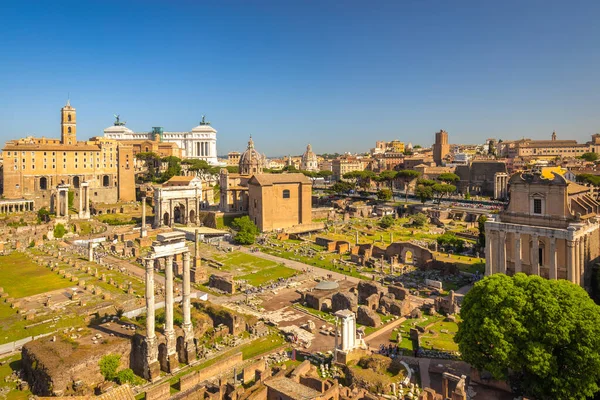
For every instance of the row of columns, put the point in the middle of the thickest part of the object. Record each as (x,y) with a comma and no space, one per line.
(501,185)
(496,257)
(189,351)
(62,201)
(18,206)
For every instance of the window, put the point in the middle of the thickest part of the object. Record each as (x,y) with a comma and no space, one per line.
(69,118)
(286,194)
(537,206)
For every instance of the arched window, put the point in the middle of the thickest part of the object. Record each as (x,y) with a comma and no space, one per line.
(69,117)
(76,182)
(286,194)
(105,181)
(43,183)
(69,129)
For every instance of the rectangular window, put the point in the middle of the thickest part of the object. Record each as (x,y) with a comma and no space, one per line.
(537,206)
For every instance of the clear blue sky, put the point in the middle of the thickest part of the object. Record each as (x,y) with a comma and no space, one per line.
(339,75)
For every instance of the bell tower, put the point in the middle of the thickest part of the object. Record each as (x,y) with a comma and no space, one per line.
(68,124)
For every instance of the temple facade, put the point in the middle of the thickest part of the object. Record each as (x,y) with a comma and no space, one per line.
(550,228)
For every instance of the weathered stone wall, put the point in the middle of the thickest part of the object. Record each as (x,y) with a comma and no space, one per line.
(249,373)
(222,281)
(159,392)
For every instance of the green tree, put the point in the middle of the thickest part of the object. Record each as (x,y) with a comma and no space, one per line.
(384,194)
(448,177)
(232,169)
(424,193)
(541,335)
(589,157)
(173,168)
(388,176)
(442,189)
(109,365)
(127,376)
(386,221)
(481,226)
(419,220)
(450,239)
(246,230)
(59,231)
(43,215)
(325,174)
(407,176)
(342,187)
(593,180)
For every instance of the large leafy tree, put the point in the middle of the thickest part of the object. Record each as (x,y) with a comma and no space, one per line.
(424,193)
(481,226)
(543,336)
(448,177)
(246,230)
(388,176)
(442,189)
(407,176)
(384,194)
(589,157)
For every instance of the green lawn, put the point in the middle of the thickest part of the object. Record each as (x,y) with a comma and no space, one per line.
(436,340)
(268,275)
(12,363)
(21,277)
(242,262)
(12,325)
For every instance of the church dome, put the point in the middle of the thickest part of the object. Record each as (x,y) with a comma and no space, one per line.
(309,160)
(251,162)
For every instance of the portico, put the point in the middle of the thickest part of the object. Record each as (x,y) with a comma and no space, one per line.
(550,228)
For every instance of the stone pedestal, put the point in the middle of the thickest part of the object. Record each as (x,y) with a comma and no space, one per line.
(151,367)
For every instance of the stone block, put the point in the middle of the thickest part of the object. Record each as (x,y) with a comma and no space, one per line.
(367,317)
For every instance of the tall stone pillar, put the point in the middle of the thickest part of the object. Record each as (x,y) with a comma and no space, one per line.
(171,213)
(553,274)
(172,362)
(152,367)
(143,231)
(518,254)
(582,260)
(502,252)
(81,211)
(66,197)
(571,260)
(198,274)
(90,251)
(535,255)
(488,254)
(188,329)
(576,269)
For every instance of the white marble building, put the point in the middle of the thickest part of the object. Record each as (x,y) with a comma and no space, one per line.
(199,143)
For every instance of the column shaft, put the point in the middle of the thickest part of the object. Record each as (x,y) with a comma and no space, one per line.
(577,266)
(535,255)
(582,260)
(187,320)
(553,267)
(150,299)
(169,331)
(570,260)
(518,254)
(488,254)
(502,252)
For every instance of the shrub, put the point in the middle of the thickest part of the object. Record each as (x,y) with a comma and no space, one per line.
(59,231)
(127,376)
(386,221)
(109,365)
(450,239)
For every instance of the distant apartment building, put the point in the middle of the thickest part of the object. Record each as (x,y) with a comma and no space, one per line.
(343,165)
(547,149)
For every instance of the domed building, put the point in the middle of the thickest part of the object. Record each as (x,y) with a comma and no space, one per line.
(251,162)
(309,160)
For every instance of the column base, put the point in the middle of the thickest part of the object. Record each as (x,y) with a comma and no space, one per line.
(152,371)
(172,363)
(144,232)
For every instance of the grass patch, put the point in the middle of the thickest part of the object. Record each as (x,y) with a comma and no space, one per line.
(268,275)
(12,363)
(116,219)
(21,277)
(243,263)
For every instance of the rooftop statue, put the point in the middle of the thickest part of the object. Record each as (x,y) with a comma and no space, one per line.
(118,122)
